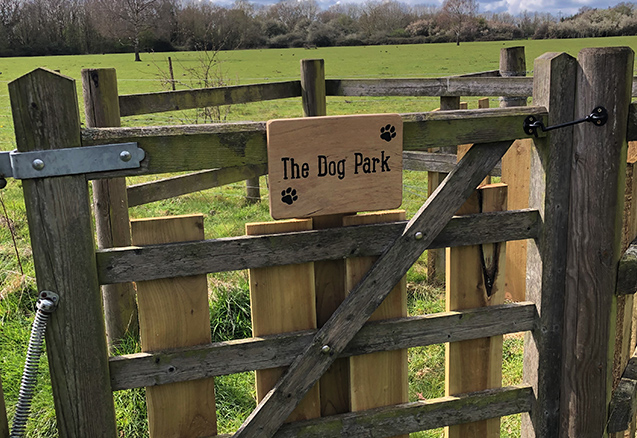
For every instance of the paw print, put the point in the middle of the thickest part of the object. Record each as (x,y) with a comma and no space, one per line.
(387,132)
(289,196)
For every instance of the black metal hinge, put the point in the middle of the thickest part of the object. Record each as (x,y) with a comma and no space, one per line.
(598,117)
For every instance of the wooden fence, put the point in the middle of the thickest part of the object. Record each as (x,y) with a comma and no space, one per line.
(573,221)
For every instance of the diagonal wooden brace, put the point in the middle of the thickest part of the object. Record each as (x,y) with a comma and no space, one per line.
(365,298)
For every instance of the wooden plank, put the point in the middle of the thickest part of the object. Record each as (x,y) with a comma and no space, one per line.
(148,103)
(46,116)
(173,313)
(475,278)
(623,404)
(627,272)
(448,86)
(198,147)
(228,254)
(435,162)
(378,379)
(144,193)
(4,424)
(370,292)
(631,135)
(148,369)
(551,160)
(110,205)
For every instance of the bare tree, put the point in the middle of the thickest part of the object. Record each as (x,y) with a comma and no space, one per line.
(458,15)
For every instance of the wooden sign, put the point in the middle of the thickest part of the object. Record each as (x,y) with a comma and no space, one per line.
(336,164)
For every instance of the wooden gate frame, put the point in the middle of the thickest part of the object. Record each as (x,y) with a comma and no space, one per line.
(46,116)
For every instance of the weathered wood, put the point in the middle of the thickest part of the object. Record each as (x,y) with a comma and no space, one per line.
(435,162)
(379,379)
(159,368)
(198,147)
(282,300)
(148,103)
(475,278)
(110,205)
(627,272)
(481,74)
(623,404)
(4,424)
(46,116)
(313,87)
(593,249)
(253,190)
(513,65)
(449,86)
(631,135)
(173,313)
(551,158)
(372,290)
(227,254)
(144,193)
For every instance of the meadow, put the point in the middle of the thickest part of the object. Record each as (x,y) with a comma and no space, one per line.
(224,208)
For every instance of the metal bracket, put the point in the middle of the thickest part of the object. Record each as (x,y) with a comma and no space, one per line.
(599,117)
(69,161)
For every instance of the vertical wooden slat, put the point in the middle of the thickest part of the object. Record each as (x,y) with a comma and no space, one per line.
(46,116)
(594,239)
(110,204)
(553,88)
(282,299)
(516,165)
(253,191)
(173,313)
(475,278)
(378,379)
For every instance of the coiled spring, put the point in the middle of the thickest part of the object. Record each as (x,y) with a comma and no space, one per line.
(46,304)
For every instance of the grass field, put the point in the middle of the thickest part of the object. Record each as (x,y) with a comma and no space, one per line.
(225,211)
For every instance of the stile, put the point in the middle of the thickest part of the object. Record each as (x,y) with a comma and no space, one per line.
(173,313)
(110,205)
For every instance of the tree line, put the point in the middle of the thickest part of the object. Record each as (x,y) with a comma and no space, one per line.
(52,27)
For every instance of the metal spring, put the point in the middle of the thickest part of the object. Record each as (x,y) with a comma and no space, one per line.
(46,304)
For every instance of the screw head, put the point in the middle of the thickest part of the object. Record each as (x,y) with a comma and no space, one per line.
(418,235)
(325,349)
(125,156)
(38,164)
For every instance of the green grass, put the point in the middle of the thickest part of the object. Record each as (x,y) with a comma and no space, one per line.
(226,212)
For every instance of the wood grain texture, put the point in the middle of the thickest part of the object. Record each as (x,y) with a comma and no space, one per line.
(435,162)
(475,278)
(631,135)
(101,109)
(148,369)
(173,313)
(46,116)
(513,65)
(372,290)
(144,193)
(148,103)
(593,248)
(554,87)
(227,254)
(378,379)
(313,87)
(282,300)
(623,404)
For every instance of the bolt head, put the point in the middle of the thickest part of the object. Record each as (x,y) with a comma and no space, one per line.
(38,164)
(418,235)
(125,156)
(325,349)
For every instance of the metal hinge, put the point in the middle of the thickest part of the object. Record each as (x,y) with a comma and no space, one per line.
(70,161)
(599,117)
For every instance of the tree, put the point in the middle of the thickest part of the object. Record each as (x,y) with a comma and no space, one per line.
(459,15)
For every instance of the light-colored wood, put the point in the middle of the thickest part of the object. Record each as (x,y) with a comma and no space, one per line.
(4,424)
(475,278)
(434,162)
(173,313)
(101,108)
(46,116)
(146,369)
(282,299)
(331,165)
(483,103)
(378,379)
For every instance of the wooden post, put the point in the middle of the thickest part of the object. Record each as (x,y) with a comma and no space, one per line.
(282,299)
(172,74)
(378,379)
(174,313)
(329,274)
(4,424)
(46,116)
(551,157)
(475,278)
(516,165)
(594,240)
(110,205)
(253,191)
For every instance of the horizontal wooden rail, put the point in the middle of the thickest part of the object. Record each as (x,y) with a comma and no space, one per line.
(119,265)
(159,368)
(449,86)
(434,162)
(199,147)
(166,188)
(147,103)
(623,402)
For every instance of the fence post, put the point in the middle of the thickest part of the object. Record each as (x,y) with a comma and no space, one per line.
(594,239)
(46,116)
(110,204)
(516,165)
(553,88)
